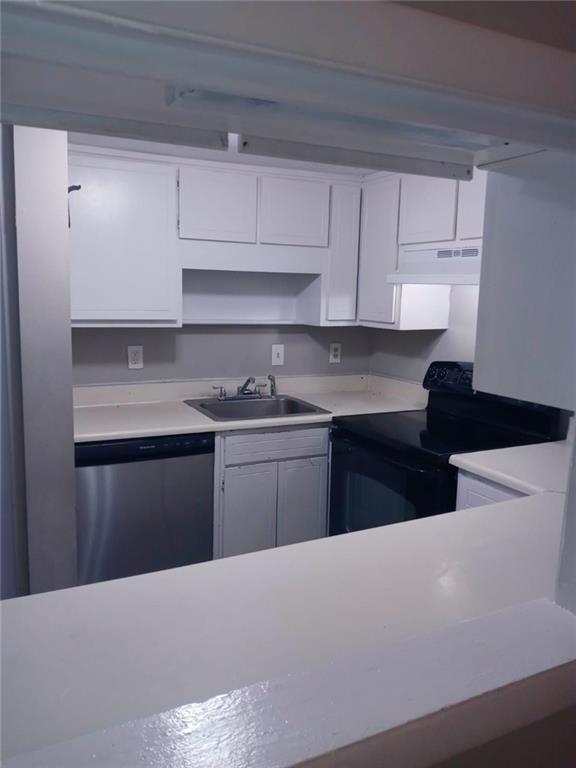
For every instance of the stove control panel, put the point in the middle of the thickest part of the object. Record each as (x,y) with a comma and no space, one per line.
(449,375)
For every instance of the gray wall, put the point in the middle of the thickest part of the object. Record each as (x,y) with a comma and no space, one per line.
(407,354)
(99,355)
(13,533)
(41,180)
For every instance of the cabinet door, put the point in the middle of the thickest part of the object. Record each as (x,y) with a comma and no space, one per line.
(427,210)
(344,233)
(477,492)
(122,240)
(293,211)
(249,508)
(302,500)
(471,203)
(378,250)
(218,205)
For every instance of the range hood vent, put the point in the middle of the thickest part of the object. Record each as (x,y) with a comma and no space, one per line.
(439,263)
(458,253)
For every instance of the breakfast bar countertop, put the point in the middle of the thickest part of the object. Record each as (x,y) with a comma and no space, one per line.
(253,683)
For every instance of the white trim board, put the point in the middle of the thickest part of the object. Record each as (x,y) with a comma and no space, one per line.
(410,84)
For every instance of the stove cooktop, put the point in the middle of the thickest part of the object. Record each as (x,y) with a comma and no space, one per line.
(458,419)
(427,435)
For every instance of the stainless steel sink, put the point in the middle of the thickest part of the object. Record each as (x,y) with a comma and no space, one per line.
(239,408)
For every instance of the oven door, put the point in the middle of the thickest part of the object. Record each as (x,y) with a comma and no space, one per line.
(370,487)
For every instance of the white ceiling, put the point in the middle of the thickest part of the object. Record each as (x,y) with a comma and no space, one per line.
(550,22)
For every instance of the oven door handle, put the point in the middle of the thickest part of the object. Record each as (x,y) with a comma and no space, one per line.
(358,448)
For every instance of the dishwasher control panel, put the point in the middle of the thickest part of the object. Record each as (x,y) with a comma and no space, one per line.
(142,449)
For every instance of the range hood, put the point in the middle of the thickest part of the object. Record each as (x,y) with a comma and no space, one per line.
(449,263)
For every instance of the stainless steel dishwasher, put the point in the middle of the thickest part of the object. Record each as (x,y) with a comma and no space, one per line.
(143,505)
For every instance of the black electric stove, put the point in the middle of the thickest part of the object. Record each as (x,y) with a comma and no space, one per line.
(393,467)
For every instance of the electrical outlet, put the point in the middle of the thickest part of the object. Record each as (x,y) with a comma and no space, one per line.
(136,357)
(335,353)
(277,354)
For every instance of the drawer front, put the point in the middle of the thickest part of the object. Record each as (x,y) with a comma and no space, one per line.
(475,491)
(252,447)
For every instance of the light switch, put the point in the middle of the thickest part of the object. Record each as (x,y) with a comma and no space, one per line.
(277,354)
(135,357)
(335,353)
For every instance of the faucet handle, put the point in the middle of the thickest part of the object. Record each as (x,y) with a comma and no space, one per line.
(221,392)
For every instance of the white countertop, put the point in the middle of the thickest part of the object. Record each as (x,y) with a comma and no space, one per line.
(526,468)
(134,412)
(83,659)
(279,724)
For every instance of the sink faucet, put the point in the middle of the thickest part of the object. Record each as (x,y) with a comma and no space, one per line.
(273,390)
(245,388)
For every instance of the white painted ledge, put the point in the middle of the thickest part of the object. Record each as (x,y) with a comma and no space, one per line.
(282,722)
(84,659)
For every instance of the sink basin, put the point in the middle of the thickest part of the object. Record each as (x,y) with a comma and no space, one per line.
(258,408)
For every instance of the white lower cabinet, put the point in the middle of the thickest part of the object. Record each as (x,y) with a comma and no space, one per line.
(302,492)
(279,499)
(249,508)
(474,491)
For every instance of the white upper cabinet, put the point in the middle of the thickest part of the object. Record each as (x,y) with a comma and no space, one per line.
(293,211)
(122,237)
(427,210)
(264,222)
(380,303)
(378,250)
(218,204)
(344,235)
(440,232)
(471,204)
